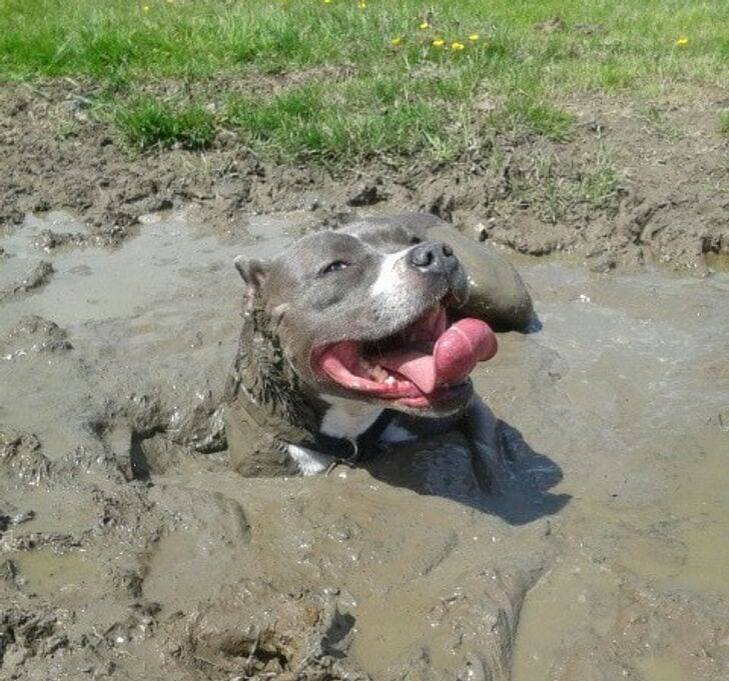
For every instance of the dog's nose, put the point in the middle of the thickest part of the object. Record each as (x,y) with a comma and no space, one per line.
(435,256)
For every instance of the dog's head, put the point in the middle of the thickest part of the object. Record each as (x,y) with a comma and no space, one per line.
(365,313)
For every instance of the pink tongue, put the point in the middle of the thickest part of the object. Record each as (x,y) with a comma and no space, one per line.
(455,354)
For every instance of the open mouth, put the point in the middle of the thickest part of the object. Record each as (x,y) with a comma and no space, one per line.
(423,363)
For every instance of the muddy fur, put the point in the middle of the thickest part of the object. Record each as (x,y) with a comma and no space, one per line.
(266,403)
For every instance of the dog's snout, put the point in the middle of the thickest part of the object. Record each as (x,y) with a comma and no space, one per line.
(432,256)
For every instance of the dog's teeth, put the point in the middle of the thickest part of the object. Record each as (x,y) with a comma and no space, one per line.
(390,380)
(379,374)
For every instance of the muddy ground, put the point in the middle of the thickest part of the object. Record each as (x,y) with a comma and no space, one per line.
(668,199)
(130,550)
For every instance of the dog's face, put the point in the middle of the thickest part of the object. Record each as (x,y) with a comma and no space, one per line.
(362,313)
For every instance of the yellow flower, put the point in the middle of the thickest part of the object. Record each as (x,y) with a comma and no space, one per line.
(395,41)
(424,25)
(145,8)
(682,42)
(362,5)
(438,42)
(326,2)
(457,47)
(473,37)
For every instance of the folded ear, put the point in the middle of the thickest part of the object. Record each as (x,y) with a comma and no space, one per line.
(253,273)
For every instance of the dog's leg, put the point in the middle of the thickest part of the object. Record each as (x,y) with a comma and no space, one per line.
(479,427)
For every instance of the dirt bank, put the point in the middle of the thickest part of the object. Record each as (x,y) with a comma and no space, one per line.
(634,183)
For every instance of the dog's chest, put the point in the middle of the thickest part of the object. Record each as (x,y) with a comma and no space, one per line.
(347,421)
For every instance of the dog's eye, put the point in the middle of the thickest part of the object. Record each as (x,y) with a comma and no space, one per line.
(415,240)
(334,267)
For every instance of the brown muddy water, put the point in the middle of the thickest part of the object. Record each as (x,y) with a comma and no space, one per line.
(131,551)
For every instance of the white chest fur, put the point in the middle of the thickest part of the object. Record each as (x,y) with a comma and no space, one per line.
(346,419)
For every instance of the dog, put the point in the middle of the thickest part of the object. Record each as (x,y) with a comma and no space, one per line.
(354,339)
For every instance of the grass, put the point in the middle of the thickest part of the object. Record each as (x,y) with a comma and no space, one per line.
(368,80)
(542,119)
(597,185)
(147,122)
(724,122)
(310,121)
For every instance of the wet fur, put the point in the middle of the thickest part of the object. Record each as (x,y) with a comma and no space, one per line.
(267,405)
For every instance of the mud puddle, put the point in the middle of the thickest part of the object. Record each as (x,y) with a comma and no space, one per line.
(131,551)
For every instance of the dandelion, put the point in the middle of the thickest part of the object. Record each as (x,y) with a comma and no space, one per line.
(327,2)
(457,47)
(362,5)
(395,41)
(145,9)
(424,25)
(474,37)
(438,42)
(682,42)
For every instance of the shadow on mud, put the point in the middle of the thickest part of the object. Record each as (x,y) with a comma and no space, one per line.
(512,482)
(525,496)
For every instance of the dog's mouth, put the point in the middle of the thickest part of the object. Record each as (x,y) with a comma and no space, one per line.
(425,362)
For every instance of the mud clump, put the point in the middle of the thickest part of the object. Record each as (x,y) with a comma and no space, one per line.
(25,635)
(297,636)
(368,195)
(36,278)
(21,456)
(49,240)
(39,276)
(35,334)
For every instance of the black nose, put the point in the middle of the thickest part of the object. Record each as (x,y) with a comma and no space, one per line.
(434,256)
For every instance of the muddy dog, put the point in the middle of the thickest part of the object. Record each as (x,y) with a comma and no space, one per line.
(357,338)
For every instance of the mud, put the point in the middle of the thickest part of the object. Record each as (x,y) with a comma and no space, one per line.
(635,183)
(130,549)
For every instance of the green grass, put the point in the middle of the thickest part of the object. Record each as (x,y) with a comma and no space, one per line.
(364,116)
(147,122)
(541,119)
(597,184)
(355,93)
(724,122)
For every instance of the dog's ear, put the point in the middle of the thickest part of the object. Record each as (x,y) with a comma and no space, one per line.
(253,273)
